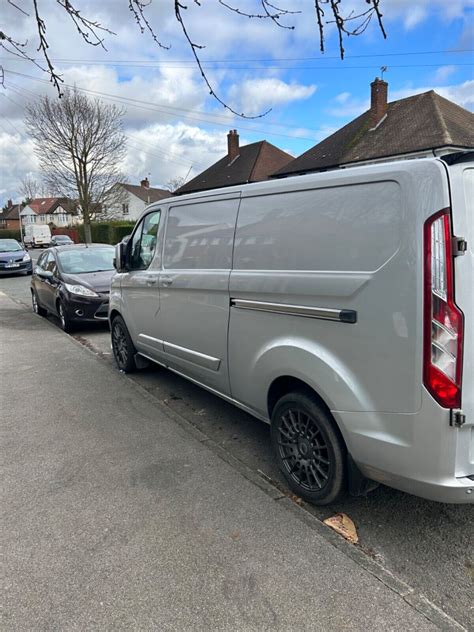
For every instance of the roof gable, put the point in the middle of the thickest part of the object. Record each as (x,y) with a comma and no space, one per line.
(421,122)
(254,163)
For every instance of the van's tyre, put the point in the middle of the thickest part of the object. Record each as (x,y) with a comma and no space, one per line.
(66,324)
(122,346)
(309,451)
(36,306)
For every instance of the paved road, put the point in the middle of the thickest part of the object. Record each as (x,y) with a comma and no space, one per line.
(428,545)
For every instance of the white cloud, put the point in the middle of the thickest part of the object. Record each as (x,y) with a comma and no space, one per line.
(258,95)
(443,73)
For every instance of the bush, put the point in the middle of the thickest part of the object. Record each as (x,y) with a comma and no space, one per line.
(107,232)
(9,233)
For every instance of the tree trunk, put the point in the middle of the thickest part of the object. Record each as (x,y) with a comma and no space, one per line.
(87,232)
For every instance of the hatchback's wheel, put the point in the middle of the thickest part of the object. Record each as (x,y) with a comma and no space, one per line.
(122,346)
(66,323)
(308,448)
(36,306)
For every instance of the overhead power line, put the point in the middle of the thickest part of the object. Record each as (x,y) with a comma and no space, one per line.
(151,107)
(192,62)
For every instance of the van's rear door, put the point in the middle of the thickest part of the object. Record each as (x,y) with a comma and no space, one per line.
(461,177)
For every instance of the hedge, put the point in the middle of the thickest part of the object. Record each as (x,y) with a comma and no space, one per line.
(8,233)
(107,232)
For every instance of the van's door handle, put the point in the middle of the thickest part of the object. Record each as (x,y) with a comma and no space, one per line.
(151,280)
(166,281)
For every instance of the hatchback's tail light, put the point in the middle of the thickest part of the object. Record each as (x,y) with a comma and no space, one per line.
(443,321)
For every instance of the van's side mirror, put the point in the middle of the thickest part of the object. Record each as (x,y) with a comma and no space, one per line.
(120,259)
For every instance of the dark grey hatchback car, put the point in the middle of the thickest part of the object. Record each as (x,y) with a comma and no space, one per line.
(73,283)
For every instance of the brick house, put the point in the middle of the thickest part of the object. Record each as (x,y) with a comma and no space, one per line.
(9,216)
(415,127)
(249,163)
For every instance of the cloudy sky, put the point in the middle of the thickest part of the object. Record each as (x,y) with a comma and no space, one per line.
(174,128)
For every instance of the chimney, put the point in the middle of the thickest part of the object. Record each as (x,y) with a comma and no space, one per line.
(378,101)
(232,144)
(9,203)
(145,183)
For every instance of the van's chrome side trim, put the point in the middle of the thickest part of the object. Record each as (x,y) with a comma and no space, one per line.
(323,313)
(150,341)
(201,359)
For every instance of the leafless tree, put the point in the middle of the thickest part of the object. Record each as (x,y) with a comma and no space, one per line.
(80,146)
(175,183)
(31,188)
(347,23)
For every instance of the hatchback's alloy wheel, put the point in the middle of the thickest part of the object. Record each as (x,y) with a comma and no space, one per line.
(309,450)
(36,306)
(66,324)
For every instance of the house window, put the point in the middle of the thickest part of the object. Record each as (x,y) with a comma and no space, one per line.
(125,209)
(42,218)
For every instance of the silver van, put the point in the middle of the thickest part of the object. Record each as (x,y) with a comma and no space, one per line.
(336,306)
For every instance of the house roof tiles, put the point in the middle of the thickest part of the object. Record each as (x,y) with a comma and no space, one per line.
(421,122)
(147,194)
(254,163)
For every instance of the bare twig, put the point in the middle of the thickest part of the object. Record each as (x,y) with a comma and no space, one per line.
(274,15)
(194,48)
(43,47)
(137,8)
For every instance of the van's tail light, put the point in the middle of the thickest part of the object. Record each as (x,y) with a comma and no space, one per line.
(443,321)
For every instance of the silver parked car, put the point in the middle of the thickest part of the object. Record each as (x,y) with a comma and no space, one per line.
(336,306)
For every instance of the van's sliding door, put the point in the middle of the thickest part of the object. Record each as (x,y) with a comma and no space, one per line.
(194,288)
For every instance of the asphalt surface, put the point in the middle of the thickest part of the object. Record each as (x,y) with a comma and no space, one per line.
(429,546)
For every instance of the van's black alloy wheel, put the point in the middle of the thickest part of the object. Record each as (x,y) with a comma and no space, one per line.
(308,448)
(122,346)
(36,306)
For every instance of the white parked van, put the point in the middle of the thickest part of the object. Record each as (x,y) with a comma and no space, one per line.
(37,235)
(336,306)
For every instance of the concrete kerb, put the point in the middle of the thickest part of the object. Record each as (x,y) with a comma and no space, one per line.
(415,599)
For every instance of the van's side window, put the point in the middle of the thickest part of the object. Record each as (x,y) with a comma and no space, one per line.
(144,240)
(200,236)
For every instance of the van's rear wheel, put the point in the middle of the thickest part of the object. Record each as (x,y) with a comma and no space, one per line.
(308,449)
(122,346)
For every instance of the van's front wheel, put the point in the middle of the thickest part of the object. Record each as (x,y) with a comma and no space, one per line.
(122,346)
(308,448)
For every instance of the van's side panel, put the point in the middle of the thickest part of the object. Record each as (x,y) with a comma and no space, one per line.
(337,246)
(355,242)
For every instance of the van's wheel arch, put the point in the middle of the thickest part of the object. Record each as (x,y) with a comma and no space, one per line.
(122,346)
(308,447)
